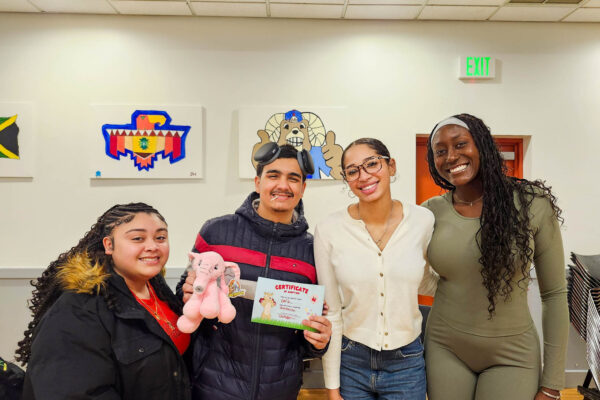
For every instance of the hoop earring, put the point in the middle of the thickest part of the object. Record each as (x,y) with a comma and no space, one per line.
(393,179)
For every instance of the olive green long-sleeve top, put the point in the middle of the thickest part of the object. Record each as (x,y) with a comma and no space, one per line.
(461,299)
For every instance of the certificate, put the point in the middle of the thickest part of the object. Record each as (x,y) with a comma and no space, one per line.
(285,303)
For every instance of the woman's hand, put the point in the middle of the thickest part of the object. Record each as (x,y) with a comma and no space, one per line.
(334,394)
(541,396)
(320,338)
(188,285)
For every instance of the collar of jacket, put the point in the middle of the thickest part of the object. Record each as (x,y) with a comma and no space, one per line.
(130,309)
(128,305)
(78,275)
(265,227)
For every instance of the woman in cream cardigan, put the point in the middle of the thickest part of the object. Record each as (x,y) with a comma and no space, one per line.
(370,257)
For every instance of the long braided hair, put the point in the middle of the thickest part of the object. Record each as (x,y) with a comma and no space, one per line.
(48,288)
(505,231)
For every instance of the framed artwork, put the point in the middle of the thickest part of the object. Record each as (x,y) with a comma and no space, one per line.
(17,157)
(319,130)
(141,142)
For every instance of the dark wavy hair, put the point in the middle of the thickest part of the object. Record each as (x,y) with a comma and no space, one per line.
(505,231)
(48,288)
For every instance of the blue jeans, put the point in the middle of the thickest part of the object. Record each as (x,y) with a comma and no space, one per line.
(388,374)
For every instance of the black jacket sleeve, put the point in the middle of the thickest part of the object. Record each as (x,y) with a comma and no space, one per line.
(71,354)
(310,351)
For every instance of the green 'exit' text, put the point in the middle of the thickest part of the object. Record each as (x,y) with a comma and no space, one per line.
(478,66)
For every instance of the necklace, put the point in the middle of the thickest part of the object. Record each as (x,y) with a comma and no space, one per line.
(387,223)
(155,313)
(470,203)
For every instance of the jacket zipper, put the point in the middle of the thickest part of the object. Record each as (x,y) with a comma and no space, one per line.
(257,344)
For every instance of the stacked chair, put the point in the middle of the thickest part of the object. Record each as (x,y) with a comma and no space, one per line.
(583,283)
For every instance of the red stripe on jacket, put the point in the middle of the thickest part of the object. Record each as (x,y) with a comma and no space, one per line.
(257,258)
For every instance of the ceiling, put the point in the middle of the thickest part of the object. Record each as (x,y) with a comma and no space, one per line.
(463,10)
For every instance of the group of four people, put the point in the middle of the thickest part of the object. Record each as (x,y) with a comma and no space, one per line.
(104,320)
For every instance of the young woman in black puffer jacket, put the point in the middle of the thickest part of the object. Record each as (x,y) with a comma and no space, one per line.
(104,319)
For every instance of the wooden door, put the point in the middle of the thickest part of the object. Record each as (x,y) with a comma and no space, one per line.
(512,151)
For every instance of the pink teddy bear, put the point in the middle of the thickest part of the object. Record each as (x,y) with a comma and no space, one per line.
(211,291)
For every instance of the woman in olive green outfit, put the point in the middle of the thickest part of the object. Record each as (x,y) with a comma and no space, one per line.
(489,228)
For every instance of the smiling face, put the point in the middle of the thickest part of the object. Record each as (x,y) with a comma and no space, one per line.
(456,156)
(280,188)
(139,248)
(369,187)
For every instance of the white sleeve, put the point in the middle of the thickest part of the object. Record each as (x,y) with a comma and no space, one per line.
(326,276)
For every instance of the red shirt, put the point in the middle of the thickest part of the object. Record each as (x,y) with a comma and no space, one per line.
(166,318)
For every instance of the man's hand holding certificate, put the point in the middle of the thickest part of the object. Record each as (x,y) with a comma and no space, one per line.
(292,305)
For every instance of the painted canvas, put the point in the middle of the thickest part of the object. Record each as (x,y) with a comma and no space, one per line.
(321,131)
(16,139)
(148,142)
(9,130)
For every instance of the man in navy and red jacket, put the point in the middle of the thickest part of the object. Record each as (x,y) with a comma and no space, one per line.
(267,236)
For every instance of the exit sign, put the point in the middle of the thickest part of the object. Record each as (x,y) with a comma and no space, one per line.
(477,67)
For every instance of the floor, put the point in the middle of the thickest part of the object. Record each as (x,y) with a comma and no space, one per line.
(320,394)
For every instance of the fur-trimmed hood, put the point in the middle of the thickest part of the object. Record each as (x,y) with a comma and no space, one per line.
(78,275)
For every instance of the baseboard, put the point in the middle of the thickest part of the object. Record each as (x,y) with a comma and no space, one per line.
(575,377)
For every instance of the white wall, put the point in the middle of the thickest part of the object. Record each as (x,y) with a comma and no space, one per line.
(396,78)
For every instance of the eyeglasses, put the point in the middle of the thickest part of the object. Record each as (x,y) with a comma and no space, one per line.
(371,166)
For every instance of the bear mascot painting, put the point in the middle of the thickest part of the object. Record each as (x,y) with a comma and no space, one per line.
(304,130)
